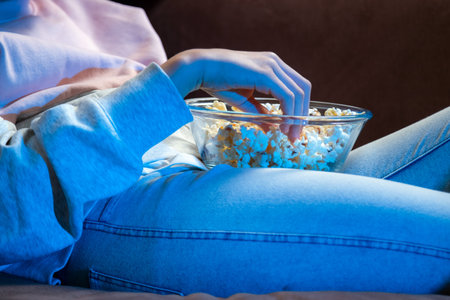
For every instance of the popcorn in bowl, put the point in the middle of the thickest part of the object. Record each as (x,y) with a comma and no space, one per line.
(228,136)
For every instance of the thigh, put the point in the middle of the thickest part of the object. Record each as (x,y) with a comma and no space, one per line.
(417,154)
(262,230)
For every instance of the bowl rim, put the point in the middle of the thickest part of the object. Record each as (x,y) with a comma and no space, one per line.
(364,114)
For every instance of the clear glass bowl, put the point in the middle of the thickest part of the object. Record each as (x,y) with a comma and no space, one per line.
(244,139)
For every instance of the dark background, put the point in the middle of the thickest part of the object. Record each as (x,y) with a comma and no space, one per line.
(389,56)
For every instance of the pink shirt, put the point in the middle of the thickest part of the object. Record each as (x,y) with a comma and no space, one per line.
(52,50)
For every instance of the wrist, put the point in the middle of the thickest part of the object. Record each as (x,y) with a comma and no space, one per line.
(184,69)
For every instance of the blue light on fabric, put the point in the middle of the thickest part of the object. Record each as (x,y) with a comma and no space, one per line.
(14,9)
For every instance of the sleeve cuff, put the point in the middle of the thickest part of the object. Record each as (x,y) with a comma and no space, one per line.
(146,109)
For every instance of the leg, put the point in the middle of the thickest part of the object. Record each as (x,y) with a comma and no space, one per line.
(262,230)
(417,154)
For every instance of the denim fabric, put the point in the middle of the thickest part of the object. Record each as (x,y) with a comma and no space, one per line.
(427,171)
(417,154)
(183,229)
(99,281)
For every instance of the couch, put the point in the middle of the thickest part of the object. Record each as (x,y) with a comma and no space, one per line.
(390,56)
(14,288)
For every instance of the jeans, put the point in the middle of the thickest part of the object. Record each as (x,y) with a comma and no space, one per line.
(182,230)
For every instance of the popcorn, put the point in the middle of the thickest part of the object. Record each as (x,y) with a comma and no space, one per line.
(274,109)
(244,144)
(218,106)
(338,112)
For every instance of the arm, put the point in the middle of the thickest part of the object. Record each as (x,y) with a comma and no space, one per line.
(75,154)
(83,151)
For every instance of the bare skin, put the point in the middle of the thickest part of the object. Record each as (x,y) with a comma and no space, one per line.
(234,76)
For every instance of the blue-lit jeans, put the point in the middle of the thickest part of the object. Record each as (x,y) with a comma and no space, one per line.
(231,230)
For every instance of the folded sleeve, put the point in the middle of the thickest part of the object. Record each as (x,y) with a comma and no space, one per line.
(74,154)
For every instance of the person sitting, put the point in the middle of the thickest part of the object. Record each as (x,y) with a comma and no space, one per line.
(94,193)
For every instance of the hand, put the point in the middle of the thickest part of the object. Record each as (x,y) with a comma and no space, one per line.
(234,76)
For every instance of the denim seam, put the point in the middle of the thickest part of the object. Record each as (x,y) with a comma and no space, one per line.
(416,158)
(344,241)
(132,287)
(94,275)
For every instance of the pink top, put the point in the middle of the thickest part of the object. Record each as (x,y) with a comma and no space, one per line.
(37,37)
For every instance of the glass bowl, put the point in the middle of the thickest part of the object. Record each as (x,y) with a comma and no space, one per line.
(243,139)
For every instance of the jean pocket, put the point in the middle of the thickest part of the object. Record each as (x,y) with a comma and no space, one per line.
(101,281)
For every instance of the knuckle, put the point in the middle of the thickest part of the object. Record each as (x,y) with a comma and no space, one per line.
(269,63)
(308,83)
(271,55)
(272,63)
(266,69)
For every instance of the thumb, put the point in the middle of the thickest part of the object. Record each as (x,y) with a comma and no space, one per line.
(245,101)
(242,99)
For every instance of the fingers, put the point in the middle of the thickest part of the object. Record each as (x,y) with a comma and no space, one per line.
(240,98)
(244,100)
(284,83)
(224,72)
(252,103)
(265,72)
(293,91)
(271,84)
(297,108)
(300,81)
(301,88)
